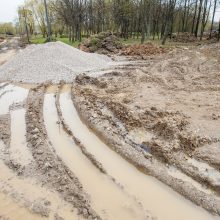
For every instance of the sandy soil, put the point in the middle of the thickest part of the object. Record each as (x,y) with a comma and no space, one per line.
(166,108)
(8,49)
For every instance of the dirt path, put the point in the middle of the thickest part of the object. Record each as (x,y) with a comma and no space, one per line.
(9,48)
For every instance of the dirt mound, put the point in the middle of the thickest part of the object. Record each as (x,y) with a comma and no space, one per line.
(103,43)
(143,50)
(184,38)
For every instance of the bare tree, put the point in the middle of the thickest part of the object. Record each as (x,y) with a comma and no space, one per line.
(213,17)
(198,18)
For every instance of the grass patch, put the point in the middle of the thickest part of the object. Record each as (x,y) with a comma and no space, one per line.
(66,41)
(127,42)
(42,40)
(38,40)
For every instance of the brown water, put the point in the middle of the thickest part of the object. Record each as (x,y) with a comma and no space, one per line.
(17,94)
(160,199)
(107,199)
(10,210)
(18,146)
(18,195)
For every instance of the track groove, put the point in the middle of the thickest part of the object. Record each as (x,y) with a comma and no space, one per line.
(54,173)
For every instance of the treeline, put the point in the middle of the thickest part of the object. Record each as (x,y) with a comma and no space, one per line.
(7,28)
(127,18)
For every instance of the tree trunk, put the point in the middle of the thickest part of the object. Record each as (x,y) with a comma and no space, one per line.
(169,18)
(48,22)
(203,19)
(213,16)
(194,17)
(219,31)
(198,18)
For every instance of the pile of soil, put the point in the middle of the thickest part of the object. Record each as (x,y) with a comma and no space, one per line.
(142,50)
(184,38)
(103,43)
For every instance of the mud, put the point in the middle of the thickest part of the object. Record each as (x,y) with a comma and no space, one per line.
(5,133)
(43,202)
(16,96)
(53,172)
(152,134)
(84,152)
(70,133)
(9,48)
(143,187)
(110,201)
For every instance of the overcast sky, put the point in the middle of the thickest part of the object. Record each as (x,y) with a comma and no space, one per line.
(8,10)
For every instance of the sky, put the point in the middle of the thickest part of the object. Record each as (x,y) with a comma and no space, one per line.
(8,10)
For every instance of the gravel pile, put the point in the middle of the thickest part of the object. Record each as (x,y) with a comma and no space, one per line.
(51,62)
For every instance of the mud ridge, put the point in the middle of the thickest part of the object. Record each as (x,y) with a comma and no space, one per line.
(169,127)
(5,129)
(5,136)
(53,173)
(142,160)
(180,161)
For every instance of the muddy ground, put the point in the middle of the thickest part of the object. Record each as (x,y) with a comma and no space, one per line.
(8,48)
(71,151)
(167,109)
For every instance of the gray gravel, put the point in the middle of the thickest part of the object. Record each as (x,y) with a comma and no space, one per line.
(51,62)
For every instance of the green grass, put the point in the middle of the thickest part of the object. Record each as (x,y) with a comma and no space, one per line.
(42,40)
(38,40)
(131,41)
(66,41)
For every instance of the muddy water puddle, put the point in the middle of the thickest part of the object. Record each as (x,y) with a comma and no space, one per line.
(107,198)
(11,95)
(161,200)
(26,196)
(18,146)
(10,210)
(23,197)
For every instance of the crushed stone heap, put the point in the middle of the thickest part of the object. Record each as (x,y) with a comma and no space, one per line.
(53,61)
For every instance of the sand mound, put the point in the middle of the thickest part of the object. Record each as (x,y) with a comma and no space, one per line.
(52,61)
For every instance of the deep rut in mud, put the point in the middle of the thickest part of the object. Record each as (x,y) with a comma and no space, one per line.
(47,151)
(106,197)
(143,187)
